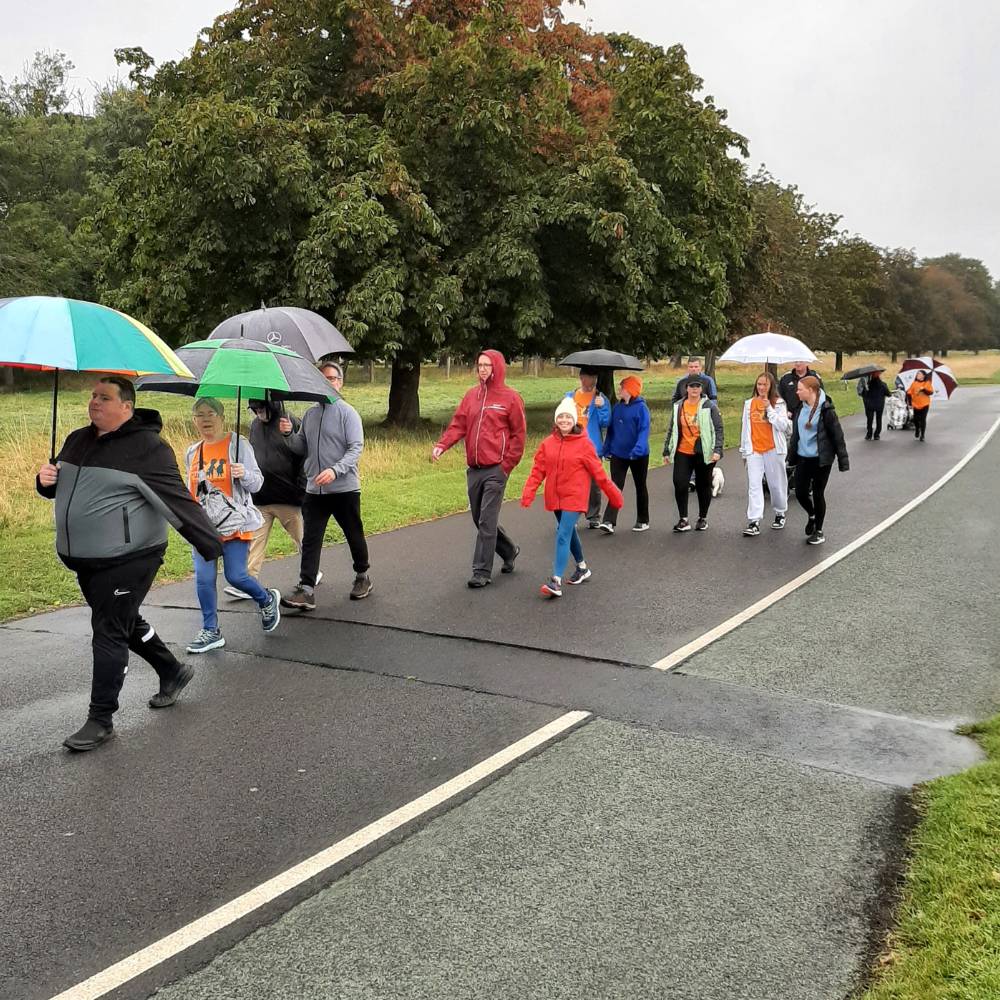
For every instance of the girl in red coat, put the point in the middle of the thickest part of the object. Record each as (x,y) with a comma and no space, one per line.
(567,461)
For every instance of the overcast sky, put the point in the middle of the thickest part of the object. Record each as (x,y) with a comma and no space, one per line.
(882,111)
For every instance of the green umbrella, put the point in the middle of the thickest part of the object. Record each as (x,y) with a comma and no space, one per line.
(236,368)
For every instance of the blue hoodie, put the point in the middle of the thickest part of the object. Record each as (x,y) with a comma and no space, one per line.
(808,447)
(628,433)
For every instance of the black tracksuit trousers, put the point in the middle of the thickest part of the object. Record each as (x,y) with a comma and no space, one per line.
(345,509)
(115,594)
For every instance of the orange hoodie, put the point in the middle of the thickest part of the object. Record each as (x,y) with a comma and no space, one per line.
(920,394)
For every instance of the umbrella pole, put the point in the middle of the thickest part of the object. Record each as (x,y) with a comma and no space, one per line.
(239,411)
(55,408)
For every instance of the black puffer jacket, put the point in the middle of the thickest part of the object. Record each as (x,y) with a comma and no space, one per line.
(829,437)
(117,492)
(280,457)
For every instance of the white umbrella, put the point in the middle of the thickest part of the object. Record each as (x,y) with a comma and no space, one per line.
(768,349)
(942,379)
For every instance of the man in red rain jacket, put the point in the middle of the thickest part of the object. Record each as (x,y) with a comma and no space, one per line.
(491,419)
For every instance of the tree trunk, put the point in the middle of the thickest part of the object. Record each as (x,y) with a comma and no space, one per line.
(404,391)
(536,365)
(838,362)
(675,360)
(525,364)
(710,362)
(7,380)
(893,355)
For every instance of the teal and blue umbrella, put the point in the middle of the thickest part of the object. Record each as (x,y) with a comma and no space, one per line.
(48,333)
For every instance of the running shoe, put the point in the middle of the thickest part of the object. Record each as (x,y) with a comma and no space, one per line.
(683,525)
(579,576)
(207,639)
(752,529)
(552,589)
(270,614)
(779,522)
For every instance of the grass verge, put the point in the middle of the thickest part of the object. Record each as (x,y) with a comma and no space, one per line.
(946,945)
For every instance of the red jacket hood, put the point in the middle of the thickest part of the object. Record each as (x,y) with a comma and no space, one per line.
(497,379)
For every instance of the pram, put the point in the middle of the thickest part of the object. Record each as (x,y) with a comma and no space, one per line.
(898,413)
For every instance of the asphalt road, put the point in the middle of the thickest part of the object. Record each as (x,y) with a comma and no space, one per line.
(722,831)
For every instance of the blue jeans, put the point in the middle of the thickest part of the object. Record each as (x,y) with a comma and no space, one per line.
(567,541)
(234,567)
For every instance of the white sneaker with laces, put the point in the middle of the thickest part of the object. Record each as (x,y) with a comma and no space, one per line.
(236,594)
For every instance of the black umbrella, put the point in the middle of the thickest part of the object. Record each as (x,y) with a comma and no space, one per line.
(602,359)
(859,372)
(300,330)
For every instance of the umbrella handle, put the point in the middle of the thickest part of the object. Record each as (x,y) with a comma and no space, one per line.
(239,409)
(55,408)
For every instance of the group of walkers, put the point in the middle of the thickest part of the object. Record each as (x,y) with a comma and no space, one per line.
(116,486)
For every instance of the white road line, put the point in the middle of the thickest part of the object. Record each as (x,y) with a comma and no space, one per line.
(677,657)
(151,956)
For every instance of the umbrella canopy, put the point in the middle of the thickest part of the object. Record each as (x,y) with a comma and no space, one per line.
(300,330)
(241,367)
(767,349)
(942,379)
(48,333)
(602,359)
(860,372)
(234,368)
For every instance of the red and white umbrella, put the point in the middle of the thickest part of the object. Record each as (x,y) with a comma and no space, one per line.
(942,377)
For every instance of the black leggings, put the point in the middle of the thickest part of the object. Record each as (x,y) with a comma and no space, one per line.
(619,470)
(684,465)
(920,421)
(812,477)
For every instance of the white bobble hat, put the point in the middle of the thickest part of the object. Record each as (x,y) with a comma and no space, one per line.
(567,405)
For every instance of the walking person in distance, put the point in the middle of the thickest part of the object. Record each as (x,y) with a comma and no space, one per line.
(627,445)
(874,393)
(116,487)
(566,463)
(919,393)
(693,444)
(222,473)
(491,420)
(817,440)
(763,445)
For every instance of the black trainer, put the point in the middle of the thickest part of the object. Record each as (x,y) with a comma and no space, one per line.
(169,693)
(478,581)
(779,522)
(683,525)
(817,537)
(701,524)
(752,529)
(811,526)
(508,564)
(362,587)
(89,736)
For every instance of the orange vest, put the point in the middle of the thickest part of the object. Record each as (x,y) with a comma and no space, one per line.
(215,459)
(761,431)
(689,429)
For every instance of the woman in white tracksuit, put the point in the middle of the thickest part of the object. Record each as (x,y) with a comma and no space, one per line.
(763,445)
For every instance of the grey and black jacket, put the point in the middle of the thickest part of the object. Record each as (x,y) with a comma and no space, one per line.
(117,492)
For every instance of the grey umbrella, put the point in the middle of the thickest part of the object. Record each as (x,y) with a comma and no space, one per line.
(859,372)
(300,330)
(602,359)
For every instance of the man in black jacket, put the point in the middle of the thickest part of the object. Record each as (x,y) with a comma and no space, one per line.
(116,486)
(874,392)
(789,382)
(280,451)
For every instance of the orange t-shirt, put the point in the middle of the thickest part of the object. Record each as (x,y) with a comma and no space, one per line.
(919,399)
(689,429)
(761,431)
(215,458)
(583,400)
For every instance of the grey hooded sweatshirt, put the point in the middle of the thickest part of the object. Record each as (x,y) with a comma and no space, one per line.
(334,439)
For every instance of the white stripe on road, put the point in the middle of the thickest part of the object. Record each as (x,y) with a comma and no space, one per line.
(677,657)
(151,956)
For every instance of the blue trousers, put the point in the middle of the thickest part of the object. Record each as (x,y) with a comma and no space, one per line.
(567,541)
(234,567)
